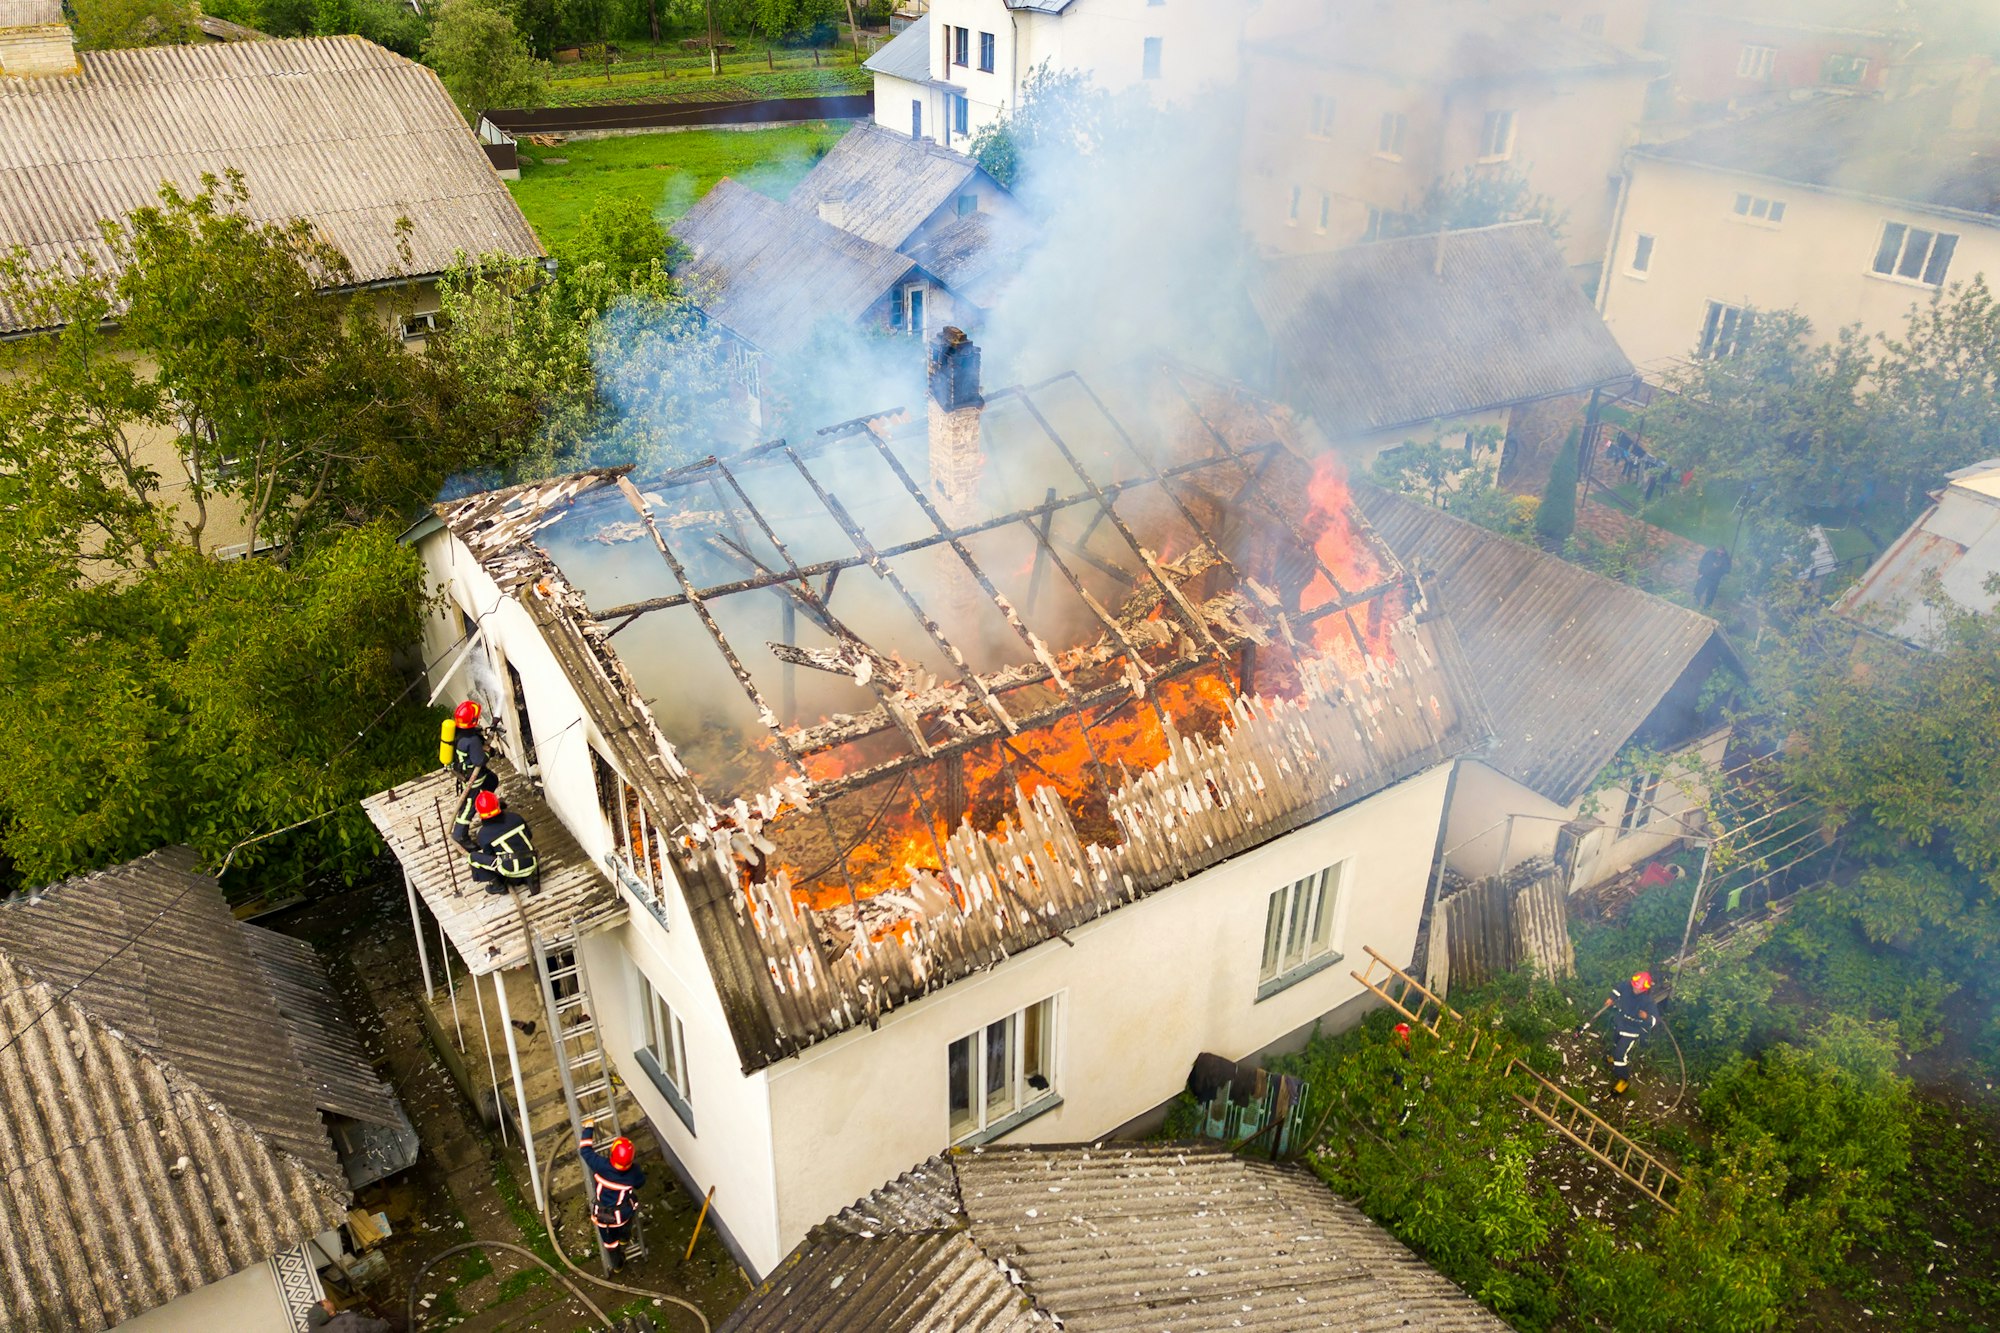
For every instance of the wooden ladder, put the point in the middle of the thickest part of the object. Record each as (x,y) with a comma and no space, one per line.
(1568,1116)
(589,1088)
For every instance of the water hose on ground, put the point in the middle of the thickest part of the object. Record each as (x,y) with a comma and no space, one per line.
(549,1226)
(410,1306)
(1683,1063)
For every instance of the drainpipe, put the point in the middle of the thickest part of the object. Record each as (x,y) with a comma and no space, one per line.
(1617,225)
(520,1088)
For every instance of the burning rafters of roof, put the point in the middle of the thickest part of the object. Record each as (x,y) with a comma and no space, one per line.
(950,722)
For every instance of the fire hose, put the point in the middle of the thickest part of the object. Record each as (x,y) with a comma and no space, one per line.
(550,1227)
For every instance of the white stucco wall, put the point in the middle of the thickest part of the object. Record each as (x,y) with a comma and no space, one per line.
(247,1301)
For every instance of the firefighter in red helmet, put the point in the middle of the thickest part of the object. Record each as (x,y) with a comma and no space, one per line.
(1638,1014)
(503,853)
(614,1191)
(467,757)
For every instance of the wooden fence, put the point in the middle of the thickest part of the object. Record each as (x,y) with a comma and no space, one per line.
(1498,923)
(504,126)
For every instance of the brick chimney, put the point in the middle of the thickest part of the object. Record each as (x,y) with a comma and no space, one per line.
(35,43)
(955,404)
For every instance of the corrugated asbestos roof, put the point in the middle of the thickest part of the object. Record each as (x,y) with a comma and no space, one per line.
(489,930)
(1900,149)
(1183,1237)
(157,1135)
(907,55)
(322,1036)
(332,129)
(775,276)
(1393,333)
(881,185)
(1571,663)
(1953,548)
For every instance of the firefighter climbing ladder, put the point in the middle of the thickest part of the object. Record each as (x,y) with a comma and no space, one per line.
(1564,1113)
(587,1084)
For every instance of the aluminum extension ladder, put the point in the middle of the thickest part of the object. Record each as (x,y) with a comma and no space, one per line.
(1565,1114)
(589,1088)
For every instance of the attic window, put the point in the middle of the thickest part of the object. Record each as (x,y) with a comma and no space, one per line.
(1756,208)
(968,204)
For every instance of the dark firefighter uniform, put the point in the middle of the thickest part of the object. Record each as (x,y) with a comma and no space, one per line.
(468,761)
(614,1195)
(503,854)
(1633,1017)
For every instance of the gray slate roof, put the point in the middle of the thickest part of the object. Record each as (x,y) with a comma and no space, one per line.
(976,255)
(881,185)
(1374,337)
(1572,664)
(907,55)
(774,275)
(1900,149)
(172,1049)
(1183,1237)
(336,130)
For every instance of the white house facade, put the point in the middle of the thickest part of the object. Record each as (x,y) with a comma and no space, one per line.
(999,957)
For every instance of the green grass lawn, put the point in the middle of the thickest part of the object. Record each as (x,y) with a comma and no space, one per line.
(1707,516)
(753,71)
(668,172)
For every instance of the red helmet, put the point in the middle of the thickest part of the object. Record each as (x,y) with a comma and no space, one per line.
(1641,982)
(621,1154)
(487,804)
(466,714)
(1402,1031)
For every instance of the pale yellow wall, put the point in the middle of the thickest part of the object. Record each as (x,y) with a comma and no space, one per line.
(1570,133)
(1818,259)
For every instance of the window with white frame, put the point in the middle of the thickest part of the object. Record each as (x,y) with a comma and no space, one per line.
(910,309)
(986,52)
(1915,253)
(1301,924)
(961,46)
(1322,117)
(1496,136)
(1846,69)
(1002,1074)
(662,1050)
(1724,330)
(1642,254)
(1149,59)
(1325,212)
(633,837)
(422,324)
(1756,62)
(1756,208)
(1642,796)
(1389,137)
(961,115)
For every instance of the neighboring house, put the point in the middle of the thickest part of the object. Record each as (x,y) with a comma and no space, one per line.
(924,201)
(1186,1236)
(777,281)
(1849,209)
(965,63)
(1574,668)
(784,707)
(1726,58)
(1350,122)
(1952,551)
(186,1123)
(1385,342)
(355,139)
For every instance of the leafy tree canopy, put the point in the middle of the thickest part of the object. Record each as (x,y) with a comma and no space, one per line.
(101,25)
(1476,197)
(481,59)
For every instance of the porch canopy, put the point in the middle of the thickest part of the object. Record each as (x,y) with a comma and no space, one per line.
(489,930)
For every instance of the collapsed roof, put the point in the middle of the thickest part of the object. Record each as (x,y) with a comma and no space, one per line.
(1179,1236)
(169,1109)
(891,731)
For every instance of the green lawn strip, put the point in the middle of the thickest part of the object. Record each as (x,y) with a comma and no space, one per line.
(650,85)
(667,172)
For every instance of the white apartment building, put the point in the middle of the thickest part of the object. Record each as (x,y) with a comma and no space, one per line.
(966,61)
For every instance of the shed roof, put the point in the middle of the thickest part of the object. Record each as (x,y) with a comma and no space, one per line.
(1954,545)
(907,55)
(1901,148)
(1393,333)
(152,1106)
(489,930)
(1572,664)
(774,275)
(880,185)
(335,130)
(1180,1236)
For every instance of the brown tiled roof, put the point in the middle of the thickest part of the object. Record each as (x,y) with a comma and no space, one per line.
(1178,1236)
(335,130)
(1394,333)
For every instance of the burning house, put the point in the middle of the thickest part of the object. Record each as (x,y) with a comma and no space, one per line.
(944,778)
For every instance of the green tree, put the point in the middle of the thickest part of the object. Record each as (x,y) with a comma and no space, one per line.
(101,25)
(619,233)
(1062,116)
(279,398)
(481,59)
(1556,518)
(1476,197)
